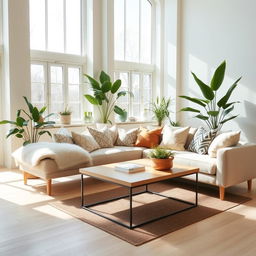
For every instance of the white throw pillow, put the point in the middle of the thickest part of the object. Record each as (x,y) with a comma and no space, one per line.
(174,138)
(112,129)
(86,141)
(223,140)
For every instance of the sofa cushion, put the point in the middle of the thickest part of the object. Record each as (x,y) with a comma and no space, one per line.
(127,138)
(226,139)
(116,154)
(86,141)
(174,138)
(103,137)
(205,163)
(202,140)
(148,138)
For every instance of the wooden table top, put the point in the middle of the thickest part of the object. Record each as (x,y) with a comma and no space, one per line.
(108,173)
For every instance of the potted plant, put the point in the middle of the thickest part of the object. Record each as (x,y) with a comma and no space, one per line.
(162,159)
(160,109)
(105,96)
(29,124)
(213,112)
(65,116)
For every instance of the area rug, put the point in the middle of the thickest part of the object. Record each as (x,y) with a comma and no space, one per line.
(148,206)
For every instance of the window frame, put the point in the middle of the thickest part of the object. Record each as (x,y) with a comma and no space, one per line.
(47,89)
(123,66)
(82,28)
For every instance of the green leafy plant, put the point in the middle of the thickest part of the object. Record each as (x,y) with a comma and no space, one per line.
(66,111)
(214,113)
(160,109)
(160,153)
(31,125)
(105,95)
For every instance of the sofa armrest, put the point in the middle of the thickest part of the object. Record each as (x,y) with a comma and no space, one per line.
(236,164)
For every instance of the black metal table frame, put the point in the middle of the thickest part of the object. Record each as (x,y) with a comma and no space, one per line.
(130,195)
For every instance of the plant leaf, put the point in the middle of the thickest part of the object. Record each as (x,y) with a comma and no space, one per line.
(213,113)
(35,114)
(8,122)
(106,86)
(230,104)
(228,110)
(202,117)
(12,131)
(20,121)
(223,101)
(116,85)
(205,89)
(19,135)
(195,100)
(104,77)
(18,112)
(26,142)
(95,84)
(190,109)
(218,76)
(119,111)
(43,132)
(30,106)
(122,93)
(42,110)
(228,119)
(91,99)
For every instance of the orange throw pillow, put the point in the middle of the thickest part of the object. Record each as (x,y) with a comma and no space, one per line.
(148,138)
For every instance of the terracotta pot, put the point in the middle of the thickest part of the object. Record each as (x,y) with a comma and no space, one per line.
(162,164)
(65,119)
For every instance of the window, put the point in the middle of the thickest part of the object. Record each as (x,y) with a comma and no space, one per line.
(133,26)
(55,25)
(55,39)
(57,86)
(140,84)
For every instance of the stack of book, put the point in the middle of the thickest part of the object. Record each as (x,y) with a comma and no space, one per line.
(130,167)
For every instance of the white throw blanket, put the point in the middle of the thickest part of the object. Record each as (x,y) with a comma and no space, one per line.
(65,155)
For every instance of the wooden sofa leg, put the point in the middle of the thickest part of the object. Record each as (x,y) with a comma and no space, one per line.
(49,187)
(25,178)
(249,184)
(222,192)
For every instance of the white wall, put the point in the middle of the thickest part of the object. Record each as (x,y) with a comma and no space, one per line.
(217,30)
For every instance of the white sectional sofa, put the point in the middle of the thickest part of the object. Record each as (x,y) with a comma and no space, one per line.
(233,165)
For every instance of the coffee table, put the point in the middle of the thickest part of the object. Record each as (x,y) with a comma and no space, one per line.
(107,173)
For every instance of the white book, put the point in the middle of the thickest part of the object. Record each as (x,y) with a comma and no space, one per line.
(130,167)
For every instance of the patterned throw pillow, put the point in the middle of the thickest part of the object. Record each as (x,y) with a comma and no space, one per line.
(86,141)
(113,131)
(102,137)
(61,138)
(127,138)
(202,140)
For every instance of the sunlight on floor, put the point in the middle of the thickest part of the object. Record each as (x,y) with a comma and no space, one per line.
(49,210)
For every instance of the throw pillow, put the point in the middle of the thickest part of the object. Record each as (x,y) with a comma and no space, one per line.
(102,137)
(86,141)
(201,141)
(223,140)
(127,138)
(63,136)
(148,138)
(174,138)
(113,131)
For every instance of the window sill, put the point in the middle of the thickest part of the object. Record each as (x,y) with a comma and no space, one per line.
(58,125)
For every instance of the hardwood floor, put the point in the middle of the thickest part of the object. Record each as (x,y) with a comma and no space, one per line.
(30,226)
